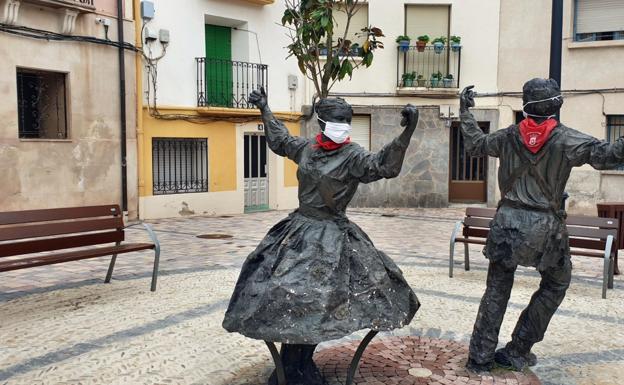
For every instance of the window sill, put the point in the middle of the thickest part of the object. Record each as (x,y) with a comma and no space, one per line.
(612,172)
(64,4)
(595,44)
(260,2)
(424,91)
(46,140)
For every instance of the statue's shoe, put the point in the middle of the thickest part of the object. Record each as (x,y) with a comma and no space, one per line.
(509,359)
(479,368)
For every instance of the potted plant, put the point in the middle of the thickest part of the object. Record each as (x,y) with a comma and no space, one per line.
(422,42)
(421,81)
(435,79)
(438,44)
(448,81)
(408,79)
(455,43)
(404,42)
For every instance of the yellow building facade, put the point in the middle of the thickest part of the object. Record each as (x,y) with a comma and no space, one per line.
(198,154)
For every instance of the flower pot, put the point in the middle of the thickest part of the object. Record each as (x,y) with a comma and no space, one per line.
(435,82)
(408,83)
(420,45)
(323,51)
(447,83)
(404,45)
(421,82)
(455,47)
(438,47)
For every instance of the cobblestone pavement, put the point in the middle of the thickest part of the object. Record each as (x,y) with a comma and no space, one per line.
(61,325)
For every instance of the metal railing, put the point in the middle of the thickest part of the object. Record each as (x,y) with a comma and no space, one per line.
(431,67)
(179,165)
(228,83)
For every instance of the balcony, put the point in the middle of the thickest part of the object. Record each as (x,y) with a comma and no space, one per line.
(428,71)
(227,83)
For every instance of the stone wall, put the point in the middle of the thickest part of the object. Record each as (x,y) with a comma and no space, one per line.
(423,181)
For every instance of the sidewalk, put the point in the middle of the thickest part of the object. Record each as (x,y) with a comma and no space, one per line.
(61,325)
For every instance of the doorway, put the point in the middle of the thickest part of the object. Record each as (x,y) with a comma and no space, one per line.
(256,173)
(467,174)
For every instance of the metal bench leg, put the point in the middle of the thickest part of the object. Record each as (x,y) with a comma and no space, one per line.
(607,266)
(611,272)
(358,355)
(279,365)
(111,267)
(452,247)
(466,257)
(152,235)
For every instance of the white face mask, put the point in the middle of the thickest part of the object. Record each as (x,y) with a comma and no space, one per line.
(526,114)
(337,132)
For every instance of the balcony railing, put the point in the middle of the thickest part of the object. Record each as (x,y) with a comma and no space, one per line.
(227,83)
(431,67)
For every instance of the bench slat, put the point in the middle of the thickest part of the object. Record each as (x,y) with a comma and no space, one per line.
(480,212)
(475,232)
(72,256)
(580,220)
(46,215)
(477,222)
(48,229)
(588,232)
(39,245)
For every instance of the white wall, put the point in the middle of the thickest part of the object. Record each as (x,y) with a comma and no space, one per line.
(177,71)
(476,21)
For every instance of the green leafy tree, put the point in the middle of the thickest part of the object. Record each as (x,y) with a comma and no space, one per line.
(324,56)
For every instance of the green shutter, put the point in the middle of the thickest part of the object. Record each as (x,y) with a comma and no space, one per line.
(219,66)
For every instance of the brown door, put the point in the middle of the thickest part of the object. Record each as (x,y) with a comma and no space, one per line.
(468,174)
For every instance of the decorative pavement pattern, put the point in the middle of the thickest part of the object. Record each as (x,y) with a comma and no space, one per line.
(411,360)
(62,325)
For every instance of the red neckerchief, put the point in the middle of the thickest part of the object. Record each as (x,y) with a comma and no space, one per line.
(329,145)
(534,135)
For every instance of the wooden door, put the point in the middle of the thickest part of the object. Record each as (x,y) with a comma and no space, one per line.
(467,174)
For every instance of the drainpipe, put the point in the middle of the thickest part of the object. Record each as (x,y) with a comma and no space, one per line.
(556,41)
(139,99)
(122,106)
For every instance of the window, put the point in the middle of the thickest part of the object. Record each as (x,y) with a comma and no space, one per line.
(361,131)
(615,129)
(41,104)
(180,165)
(431,20)
(358,21)
(598,20)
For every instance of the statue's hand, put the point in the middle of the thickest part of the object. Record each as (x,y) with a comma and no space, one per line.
(466,99)
(258,98)
(410,116)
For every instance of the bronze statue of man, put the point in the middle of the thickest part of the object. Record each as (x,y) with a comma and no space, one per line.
(316,276)
(536,158)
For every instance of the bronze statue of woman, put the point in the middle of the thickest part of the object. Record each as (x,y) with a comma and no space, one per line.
(316,276)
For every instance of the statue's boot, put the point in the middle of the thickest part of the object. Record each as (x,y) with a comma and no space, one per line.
(513,359)
(299,367)
(478,368)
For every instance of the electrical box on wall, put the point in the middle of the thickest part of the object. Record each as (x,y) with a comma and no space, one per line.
(147,10)
(150,34)
(293,82)
(163,36)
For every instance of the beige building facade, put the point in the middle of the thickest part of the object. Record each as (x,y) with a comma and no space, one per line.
(60,123)
(592,78)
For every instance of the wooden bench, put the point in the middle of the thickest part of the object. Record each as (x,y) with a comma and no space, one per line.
(24,233)
(589,236)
